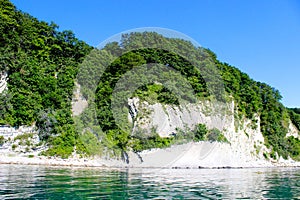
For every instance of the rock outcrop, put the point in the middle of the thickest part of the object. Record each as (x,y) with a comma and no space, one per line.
(246,145)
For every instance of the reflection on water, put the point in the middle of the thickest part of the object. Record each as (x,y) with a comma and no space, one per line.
(78,183)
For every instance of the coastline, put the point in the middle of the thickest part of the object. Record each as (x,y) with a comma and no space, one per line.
(199,155)
(69,162)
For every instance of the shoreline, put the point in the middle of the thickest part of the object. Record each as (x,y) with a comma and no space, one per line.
(69,162)
(201,155)
(63,164)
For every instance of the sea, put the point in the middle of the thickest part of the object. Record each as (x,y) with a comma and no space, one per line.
(44,182)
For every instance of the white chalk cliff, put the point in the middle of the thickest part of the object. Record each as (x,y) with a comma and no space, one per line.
(246,147)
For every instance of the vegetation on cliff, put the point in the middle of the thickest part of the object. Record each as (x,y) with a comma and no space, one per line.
(251,97)
(42,65)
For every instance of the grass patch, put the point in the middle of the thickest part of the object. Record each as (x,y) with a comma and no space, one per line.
(24,136)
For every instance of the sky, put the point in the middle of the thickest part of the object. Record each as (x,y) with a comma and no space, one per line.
(261,38)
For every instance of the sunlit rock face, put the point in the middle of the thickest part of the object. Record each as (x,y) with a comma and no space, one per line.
(167,119)
(245,138)
(79,103)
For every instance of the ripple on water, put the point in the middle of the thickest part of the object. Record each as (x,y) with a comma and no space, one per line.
(33,182)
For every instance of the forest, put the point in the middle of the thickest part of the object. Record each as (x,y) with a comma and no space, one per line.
(43,65)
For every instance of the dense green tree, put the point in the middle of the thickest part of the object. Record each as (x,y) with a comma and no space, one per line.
(41,64)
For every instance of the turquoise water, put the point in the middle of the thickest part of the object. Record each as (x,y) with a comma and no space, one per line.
(33,182)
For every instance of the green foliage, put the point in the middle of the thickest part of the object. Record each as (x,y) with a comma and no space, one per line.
(24,136)
(42,64)
(183,136)
(199,132)
(14,146)
(2,140)
(45,122)
(273,154)
(154,141)
(293,147)
(154,93)
(296,110)
(216,135)
(63,144)
(295,116)
(89,144)
(150,91)
(266,156)
(251,98)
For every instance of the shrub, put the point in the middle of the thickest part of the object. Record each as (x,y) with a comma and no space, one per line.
(216,135)
(293,147)
(200,131)
(295,117)
(14,146)
(88,144)
(62,145)
(2,140)
(266,156)
(154,141)
(24,136)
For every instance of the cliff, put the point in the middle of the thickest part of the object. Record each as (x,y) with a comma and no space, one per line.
(245,146)
(75,97)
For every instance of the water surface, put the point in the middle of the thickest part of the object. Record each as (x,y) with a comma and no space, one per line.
(40,182)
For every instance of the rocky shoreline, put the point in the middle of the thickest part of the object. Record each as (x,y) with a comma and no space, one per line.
(201,155)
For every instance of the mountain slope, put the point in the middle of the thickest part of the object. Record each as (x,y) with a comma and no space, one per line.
(42,65)
(255,101)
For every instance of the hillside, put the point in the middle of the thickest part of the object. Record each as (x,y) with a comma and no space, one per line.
(200,77)
(40,66)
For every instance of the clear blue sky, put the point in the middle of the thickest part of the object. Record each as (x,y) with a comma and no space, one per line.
(262,38)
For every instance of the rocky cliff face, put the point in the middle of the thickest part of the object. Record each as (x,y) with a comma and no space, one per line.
(244,135)
(167,118)
(79,103)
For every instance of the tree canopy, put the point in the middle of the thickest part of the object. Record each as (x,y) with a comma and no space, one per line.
(41,63)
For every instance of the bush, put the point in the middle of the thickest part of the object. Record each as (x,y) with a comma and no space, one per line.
(183,136)
(14,146)
(88,144)
(295,117)
(266,156)
(293,147)
(62,145)
(216,135)
(2,140)
(200,131)
(24,136)
(155,141)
